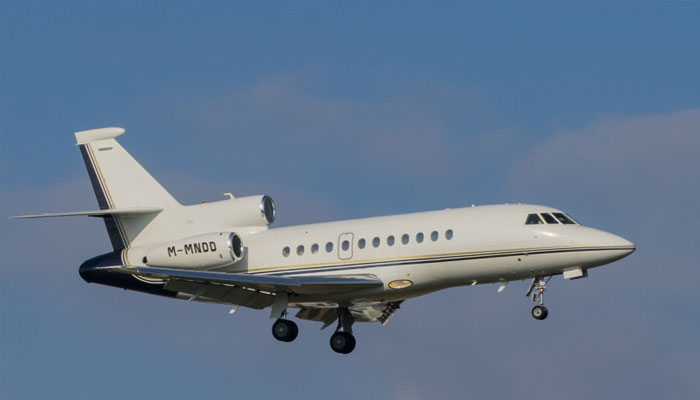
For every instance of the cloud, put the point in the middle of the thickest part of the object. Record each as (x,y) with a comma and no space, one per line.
(401,134)
(644,169)
(650,157)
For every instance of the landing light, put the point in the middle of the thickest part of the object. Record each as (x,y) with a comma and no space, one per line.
(400,284)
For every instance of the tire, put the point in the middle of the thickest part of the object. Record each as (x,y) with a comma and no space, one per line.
(539,312)
(343,342)
(285,330)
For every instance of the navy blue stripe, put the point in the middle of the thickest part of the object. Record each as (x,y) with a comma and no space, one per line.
(110,224)
(429,260)
(96,186)
(90,272)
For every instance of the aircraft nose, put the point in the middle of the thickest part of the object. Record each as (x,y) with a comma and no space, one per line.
(606,248)
(623,245)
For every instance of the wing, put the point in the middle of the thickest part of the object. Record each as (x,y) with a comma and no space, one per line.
(255,291)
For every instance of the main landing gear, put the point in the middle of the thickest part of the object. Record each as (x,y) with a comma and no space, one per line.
(343,341)
(285,330)
(537,288)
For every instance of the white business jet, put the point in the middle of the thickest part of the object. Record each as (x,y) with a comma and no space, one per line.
(346,271)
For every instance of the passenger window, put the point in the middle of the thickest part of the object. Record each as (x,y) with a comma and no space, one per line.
(390,240)
(314,248)
(549,218)
(404,238)
(346,245)
(449,234)
(419,237)
(376,242)
(563,218)
(434,236)
(533,219)
(361,243)
(285,251)
(300,249)
(329,247)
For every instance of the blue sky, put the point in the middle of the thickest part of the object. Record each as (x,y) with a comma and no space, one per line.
(350,110)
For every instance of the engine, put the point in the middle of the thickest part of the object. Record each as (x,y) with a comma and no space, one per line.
(249,211)
(198,252)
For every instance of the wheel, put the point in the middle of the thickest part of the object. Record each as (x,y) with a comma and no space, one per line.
(342,342)
(539,312)
(285,330)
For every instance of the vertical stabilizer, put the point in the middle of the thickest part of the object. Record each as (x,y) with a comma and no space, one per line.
(120,182)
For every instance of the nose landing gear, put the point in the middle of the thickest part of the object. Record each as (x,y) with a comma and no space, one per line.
(537,289)
(539,312)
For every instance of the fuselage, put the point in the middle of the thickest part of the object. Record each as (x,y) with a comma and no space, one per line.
(418,253)
(345,271)
(428,251)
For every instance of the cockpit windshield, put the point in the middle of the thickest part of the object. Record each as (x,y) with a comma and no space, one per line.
(563,218)
(533,219)
(550,218)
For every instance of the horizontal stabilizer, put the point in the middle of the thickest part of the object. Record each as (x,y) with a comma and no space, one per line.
(97,213)
(298,284)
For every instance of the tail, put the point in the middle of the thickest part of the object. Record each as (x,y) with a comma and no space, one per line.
(121,185)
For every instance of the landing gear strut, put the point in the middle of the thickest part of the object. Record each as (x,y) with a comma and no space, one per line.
(343,341)
(285,330)
(537,289)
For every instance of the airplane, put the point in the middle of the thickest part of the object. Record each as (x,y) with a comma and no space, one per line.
(341,272)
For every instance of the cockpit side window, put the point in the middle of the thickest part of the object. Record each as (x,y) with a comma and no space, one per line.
(573,219)
(548,217)
(533,219)
(563,218)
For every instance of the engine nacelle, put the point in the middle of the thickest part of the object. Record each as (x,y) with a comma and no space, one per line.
(198,252)
(249,211)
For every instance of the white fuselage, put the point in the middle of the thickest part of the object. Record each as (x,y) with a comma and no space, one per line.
(355,270)
(465,246)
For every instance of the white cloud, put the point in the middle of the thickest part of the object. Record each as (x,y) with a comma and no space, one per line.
(620,158)
(634,176)
(402,134)
(645,169)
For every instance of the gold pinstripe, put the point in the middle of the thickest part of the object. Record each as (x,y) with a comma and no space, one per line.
(127,263)
(103,181)
(443,255)
(102,178)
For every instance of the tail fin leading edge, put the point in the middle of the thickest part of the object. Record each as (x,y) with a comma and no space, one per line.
(120,182)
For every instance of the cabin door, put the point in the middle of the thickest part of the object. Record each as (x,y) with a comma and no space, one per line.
(345,246)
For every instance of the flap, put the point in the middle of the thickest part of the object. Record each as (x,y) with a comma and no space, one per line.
(378,312)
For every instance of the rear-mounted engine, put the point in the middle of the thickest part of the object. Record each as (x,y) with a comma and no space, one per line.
(198,252)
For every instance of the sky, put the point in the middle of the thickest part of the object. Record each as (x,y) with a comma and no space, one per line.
(343,110)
